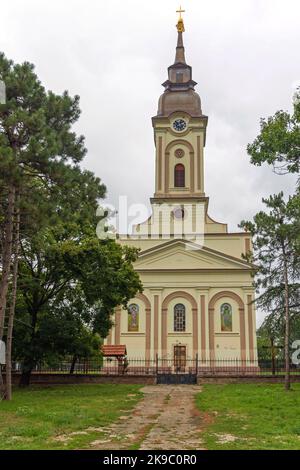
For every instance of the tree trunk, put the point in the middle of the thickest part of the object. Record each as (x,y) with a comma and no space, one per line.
(287,381)
(2,386)
(29,362)
(72,368)
(6,256)
(11,315)
(25,378)
(273,356)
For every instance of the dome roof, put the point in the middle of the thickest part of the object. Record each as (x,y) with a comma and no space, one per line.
(172,101)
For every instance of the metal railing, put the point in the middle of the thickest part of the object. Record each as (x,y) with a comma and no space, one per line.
(153,367)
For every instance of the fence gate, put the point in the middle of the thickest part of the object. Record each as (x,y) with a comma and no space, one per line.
(176,379)
(179,370)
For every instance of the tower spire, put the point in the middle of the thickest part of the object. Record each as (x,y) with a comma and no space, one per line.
(180,55)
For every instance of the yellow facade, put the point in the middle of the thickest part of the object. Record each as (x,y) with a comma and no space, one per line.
(198,290)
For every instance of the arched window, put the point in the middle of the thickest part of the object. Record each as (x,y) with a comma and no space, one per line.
(226,317)
(179,317)
(133,317)
(179,176)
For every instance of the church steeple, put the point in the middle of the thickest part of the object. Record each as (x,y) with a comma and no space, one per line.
(180,92)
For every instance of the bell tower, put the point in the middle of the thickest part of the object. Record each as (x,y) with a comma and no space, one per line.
(179,132)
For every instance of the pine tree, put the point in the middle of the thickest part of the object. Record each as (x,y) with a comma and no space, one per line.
(277,257)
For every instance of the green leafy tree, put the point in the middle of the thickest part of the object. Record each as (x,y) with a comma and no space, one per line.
(61,276)
(63,328)
(278,143)
(270,338)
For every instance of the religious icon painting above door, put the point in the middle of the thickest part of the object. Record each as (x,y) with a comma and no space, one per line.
(180,358)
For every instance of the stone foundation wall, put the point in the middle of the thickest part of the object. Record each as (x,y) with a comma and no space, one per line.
(245,380)
(67,379)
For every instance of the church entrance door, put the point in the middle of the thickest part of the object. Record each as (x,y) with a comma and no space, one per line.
(179,370)
(179,358)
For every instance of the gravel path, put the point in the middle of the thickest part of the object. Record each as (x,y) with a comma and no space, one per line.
(165,419)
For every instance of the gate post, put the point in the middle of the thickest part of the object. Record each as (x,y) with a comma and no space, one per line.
(197,365)
(156,364)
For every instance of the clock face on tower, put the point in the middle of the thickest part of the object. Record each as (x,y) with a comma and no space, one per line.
(179,125)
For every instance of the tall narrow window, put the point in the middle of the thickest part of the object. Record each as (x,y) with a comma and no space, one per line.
(179,176)
(179,317)
(226,317)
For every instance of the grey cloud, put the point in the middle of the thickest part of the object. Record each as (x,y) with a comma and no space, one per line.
(115,56)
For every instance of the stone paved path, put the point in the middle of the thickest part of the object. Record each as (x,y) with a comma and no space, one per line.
(165,419)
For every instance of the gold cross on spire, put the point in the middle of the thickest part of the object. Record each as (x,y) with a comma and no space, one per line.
(180,24)
(180,11)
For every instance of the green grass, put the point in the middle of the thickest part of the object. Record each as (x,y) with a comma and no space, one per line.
(44,418)
(250,416)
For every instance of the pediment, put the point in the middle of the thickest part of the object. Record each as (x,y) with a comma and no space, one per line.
(184,255)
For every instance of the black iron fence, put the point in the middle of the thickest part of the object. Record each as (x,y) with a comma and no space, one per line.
(157,366)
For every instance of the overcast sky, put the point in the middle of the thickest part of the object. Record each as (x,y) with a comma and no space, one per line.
(115,54)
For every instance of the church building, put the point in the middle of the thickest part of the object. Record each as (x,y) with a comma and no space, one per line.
(198,288)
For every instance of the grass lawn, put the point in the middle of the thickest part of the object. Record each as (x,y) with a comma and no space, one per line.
(62,417)
(250,416)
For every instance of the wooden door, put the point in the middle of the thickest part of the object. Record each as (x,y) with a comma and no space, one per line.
(180,358)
